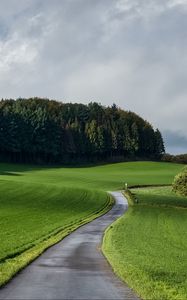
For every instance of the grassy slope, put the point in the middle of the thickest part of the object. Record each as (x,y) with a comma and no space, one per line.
(37,202)
(148,246)
(40,211)
(34,216)
(105,177)
(162,196)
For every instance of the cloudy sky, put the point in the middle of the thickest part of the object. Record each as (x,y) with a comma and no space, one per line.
(129,52)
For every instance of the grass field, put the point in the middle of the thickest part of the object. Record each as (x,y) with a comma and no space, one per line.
(147,247)
(40,205)
(104,177)
(31,214)
(162,196)
(40,211)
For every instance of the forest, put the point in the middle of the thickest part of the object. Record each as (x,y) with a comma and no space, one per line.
(39,130)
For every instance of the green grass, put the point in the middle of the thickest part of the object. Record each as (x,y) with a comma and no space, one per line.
(40,205)
(40,211)
(104,177)
(147,247)
(35,216)
(162,196)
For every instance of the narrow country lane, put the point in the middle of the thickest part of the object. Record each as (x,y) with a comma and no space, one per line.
(74,268)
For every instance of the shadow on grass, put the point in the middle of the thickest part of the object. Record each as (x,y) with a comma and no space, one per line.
(9,173)
(14,169)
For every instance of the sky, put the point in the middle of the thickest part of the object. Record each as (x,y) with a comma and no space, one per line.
(128,52)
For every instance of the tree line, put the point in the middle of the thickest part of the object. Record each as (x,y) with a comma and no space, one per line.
(179,159)
(46,131)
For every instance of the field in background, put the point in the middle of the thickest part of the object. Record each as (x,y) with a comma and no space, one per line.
(104,177)
(147,247)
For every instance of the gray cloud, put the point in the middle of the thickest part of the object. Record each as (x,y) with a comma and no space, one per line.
(175,142)
(131,52)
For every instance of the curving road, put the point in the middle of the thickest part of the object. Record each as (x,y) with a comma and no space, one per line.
(74,268)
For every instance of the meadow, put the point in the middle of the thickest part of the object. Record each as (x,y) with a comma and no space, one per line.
(39,205)
(102,177)
(35,216)
(147,247)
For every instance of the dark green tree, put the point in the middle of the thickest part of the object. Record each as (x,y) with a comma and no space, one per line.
(159,143)
(46,131)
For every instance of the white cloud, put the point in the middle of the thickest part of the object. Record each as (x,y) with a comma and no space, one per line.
(173,3)
(16,52)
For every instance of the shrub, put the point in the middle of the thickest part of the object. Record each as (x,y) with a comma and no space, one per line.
(180,183)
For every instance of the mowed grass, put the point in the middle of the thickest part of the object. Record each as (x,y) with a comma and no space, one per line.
(29,213)
(103,177)
(162,196)
(147,247)
(40,205)
(35,216)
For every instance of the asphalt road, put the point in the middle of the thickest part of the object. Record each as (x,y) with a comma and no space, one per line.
(74,268)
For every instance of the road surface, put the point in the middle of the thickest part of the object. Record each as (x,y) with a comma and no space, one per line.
(74,268)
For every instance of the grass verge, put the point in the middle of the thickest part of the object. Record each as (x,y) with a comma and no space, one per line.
(147,247)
